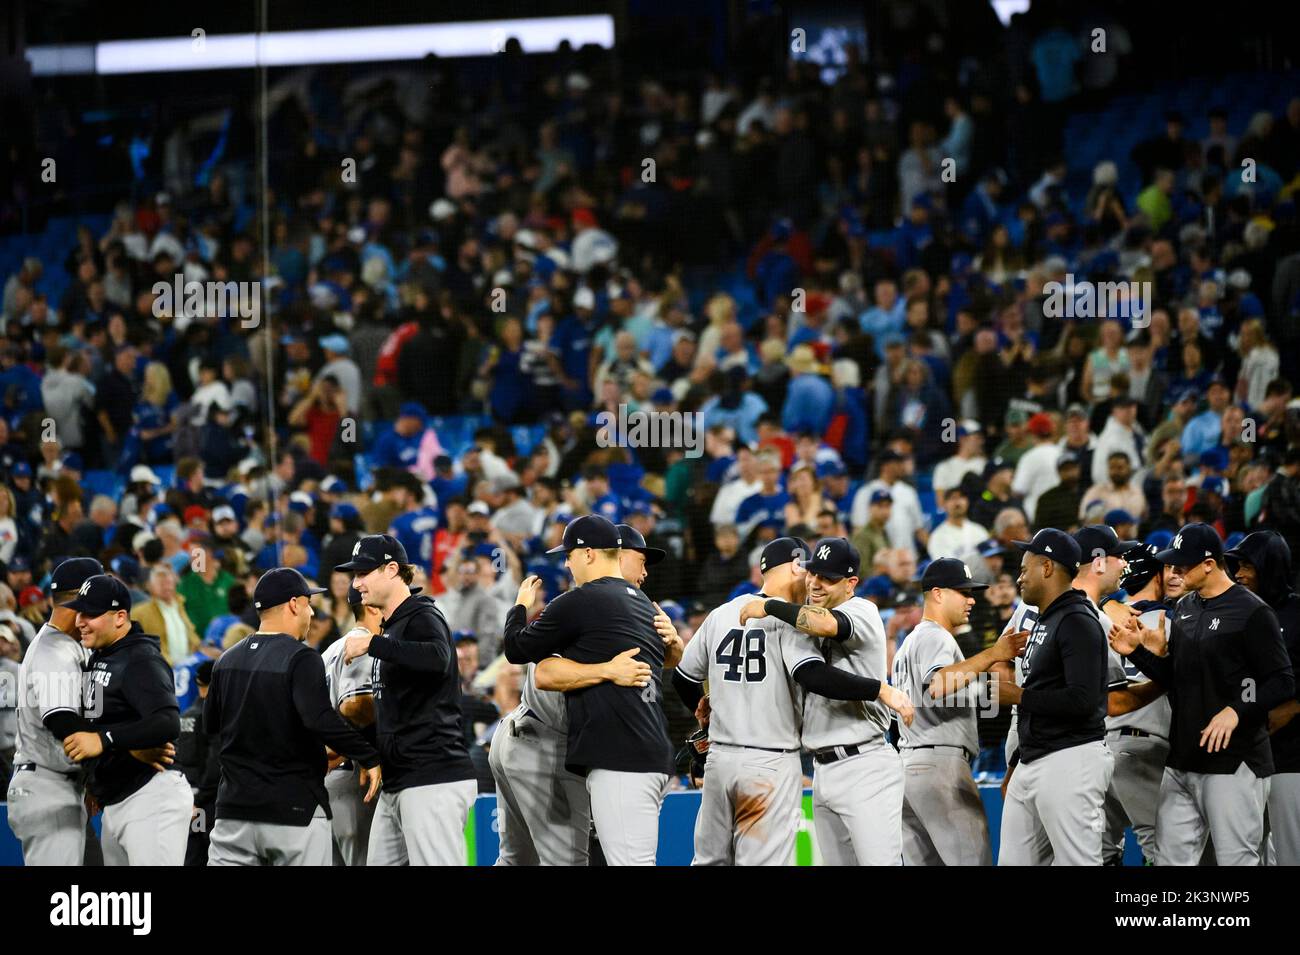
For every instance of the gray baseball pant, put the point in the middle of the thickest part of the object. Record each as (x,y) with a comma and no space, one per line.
(625,810)
(543,810)
(47,812)
(1055,808)
(240,842)
(1284,817)
(943,815)
(858,807)
(352,815)
(152,825)
(423,825)
(1227,808)
(1134,792)
(749,809)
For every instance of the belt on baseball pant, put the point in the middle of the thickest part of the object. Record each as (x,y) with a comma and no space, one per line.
(73,776)
(964,751)
(1140,734)
(765,749)
(832,754)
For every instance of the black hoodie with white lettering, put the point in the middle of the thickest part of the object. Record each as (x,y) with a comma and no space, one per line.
(130,701)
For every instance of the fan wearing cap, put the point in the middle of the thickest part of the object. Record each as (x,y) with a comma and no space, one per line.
(400,447)
(429,783)
(1262,563)
(943,817)
(269,705)
(858,785)
(1227,667)
(1137,708)
(353,698)
(753,779)
(130,703)
(528,751)
(1054,812)
(617,734)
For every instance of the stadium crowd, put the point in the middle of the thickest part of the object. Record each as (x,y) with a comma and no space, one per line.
(460,281)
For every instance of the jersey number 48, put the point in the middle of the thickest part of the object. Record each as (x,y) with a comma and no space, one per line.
(743,654)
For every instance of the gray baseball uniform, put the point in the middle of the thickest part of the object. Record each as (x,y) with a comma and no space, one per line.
(47,811)
(543,809)
(1022,618)
(749,810)
(943,817)
(858,785)
(352,814)
(1140,742)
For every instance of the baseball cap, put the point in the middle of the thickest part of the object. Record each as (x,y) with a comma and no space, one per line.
(223,513)
(1066,459)
(336,343)
(1040,425)
(1098,540)
(22,469)
(344,510)
(1119,516)
(783,550)
(1191,545)
(951,573)
(126,567)
(375,550)
(30,595)
(332,484)
(412,409)
(888,455)
(143,474)
(997,464)
(834,558)
(1058,545)
(478,507)
(1076,410)
(1016,416)
(881,495)
(1142,566)
(280,585)
(1214,485)
(73,462)
(832,468)
(990,548)
(632,540)
(301,502)
(73,572)
(590,530)
(464,636)
(18,562)
(195,512)
(354,596)
(100,594)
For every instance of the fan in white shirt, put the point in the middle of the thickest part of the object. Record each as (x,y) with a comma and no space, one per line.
(969,459)
(1036,470)
(957,537)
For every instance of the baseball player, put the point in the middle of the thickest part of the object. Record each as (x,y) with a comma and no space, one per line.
(269,705)
(429,783)
(352,697)
(943,816)
(197,757)
(617,735)
(543,810)
(1054,809)
(47,811)
(753,782)
(1262,563)
(858,785)
(1137,709)
(1226,668)
(130,703)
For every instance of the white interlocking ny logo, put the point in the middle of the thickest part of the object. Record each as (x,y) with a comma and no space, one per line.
(85,589)
(967,569)
(1214,624)
(356,548)
(823,552)
(1178,542)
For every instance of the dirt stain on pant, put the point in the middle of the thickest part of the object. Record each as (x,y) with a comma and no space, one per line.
(751,807)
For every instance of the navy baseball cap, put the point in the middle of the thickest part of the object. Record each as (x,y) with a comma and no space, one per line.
(879,496)
(1058,545)
(18,562)
(834,558)
(590,530)
(832,468)
(126,567)
(375,551)
(72,573)
(1191,545)
(632,540)
(1119,516)
(783,550)
(949,573)
(280,585)
(354,596)
(991,548)
(344,510)
(464,636)
(1098,540)
(100,594)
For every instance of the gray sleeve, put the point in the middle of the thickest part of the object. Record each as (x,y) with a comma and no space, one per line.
(694,664)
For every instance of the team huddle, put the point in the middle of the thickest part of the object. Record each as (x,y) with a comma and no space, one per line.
(1150,689)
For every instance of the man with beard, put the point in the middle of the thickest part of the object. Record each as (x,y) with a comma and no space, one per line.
(1262,564)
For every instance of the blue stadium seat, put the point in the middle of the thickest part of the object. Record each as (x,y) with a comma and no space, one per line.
(103,482)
